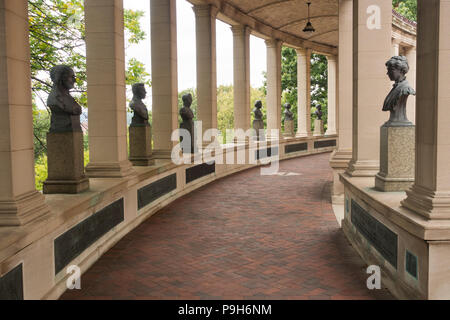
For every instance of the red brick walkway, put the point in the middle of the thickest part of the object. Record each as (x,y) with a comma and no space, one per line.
(246,236)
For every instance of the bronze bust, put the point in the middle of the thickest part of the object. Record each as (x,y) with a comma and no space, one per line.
(318,112)
(188,123)
(257,110)
(65,110)
(288,115)
(395,102)
(140,116)
(258,123)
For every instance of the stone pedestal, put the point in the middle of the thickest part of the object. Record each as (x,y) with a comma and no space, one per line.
(318,128)
(397,158)
(288,128)
(141,145)
(65,157)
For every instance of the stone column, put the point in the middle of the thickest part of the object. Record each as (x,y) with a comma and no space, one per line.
(241,76)
(342,156)
(371,50)
(411,77)
(395,47)
(164,76)
(205,26)
(105,64)
(303,92)
(19,200)
(273,99)
(331,128)
(430,194)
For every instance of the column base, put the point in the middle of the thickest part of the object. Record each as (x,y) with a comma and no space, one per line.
(339,161)
(65,186)
(109,170)
(142,162)
(23,209)
(363,168)
(303,134)
(330,133)
(386,184)
(428,203)
(162,154)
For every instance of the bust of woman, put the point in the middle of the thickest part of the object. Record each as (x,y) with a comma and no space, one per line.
(288,115)
(395,102)
(140,116)
(65,110)
(188,124)
(319,112)
(257,110)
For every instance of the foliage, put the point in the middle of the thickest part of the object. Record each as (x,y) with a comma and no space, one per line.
(225,108)
(57,36)
(41,124)
(407,8)
(40,169)
(135,73)
(225,105)
(319,83)
(319,86)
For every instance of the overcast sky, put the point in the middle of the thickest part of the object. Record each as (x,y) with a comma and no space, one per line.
(186,48)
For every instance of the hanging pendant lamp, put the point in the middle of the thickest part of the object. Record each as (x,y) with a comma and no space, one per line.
(309,28)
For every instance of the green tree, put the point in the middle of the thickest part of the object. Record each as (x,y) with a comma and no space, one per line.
(41,123)
(319,82)
(319,85)
(225,108)
(57,36)
(407,8)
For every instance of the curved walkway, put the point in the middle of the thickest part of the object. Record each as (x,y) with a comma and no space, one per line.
(246,236)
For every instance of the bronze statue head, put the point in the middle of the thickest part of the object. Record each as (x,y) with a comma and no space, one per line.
(258,104)
(187,100)
(397,68)
(63,77)
(287,106)
(139,91)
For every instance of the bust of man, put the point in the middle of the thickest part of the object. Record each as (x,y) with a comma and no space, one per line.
(140,116)
(395,102)
(188,124)
(318,112)
(65,110)
(288,115)
(186,112)
(257,110)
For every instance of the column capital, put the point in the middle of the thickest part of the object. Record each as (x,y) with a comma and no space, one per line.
(205,10)
(396,41)
(272,43)
(331,58)
(303,51)
(240,29)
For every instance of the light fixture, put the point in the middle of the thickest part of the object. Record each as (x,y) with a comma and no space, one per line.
(309,28)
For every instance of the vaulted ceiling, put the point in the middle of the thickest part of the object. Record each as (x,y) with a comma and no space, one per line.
(290,16)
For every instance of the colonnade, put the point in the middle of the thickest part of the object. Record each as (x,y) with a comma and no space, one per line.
(19,200)
(358,150)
